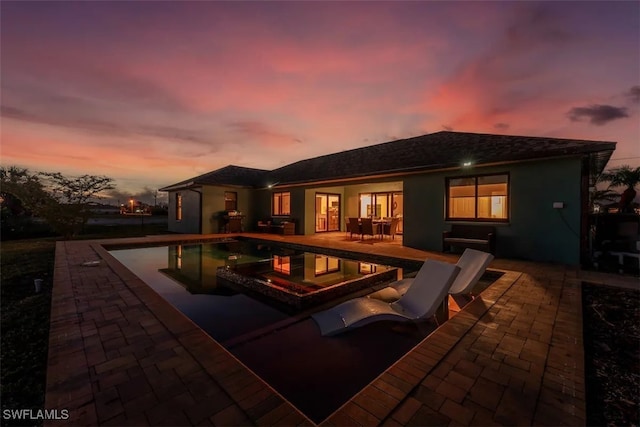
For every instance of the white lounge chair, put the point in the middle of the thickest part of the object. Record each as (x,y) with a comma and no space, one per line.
(472,263)
(420,302)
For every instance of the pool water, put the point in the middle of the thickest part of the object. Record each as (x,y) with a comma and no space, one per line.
(316,374)
(187,277)
(306,279)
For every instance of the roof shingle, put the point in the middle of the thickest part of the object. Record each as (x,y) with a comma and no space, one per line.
(432,151)
(422,153)
(228,175)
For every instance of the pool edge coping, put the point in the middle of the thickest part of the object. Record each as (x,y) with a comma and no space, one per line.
(68,313)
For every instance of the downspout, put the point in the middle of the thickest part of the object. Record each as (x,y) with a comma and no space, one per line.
(199,210)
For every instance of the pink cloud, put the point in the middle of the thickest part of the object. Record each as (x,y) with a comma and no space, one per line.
(195,86)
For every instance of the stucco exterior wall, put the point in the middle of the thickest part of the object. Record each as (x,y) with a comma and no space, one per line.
(535,230)
(190,212)
(262,206)
(205,219)
(213,205)
(263,209)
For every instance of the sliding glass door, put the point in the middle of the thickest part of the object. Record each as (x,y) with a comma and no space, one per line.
(327,212)
(396,209)
(382,205)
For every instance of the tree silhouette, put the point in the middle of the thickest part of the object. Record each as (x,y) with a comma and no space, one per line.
(61,201)
(624,176)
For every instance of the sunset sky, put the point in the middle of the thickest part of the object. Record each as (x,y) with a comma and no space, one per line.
(151,93)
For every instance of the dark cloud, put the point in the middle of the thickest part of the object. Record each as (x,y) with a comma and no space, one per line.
(447,128)
(54,117)
(597,114)
(175,133)
(634,94)
(16,113)
(535,30)
(536,25)
(121,87)
(501,126)
(146,195)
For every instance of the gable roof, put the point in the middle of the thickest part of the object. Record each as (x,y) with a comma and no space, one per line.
(434,151)
(231,175)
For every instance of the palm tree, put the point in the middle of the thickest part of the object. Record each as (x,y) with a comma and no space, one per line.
(606,195)
(624,176)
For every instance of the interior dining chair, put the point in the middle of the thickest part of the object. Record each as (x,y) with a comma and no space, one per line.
(354,227)
(391,228)
(366,227)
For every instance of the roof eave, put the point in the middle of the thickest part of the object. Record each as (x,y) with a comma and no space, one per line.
(441,167)
(179,186)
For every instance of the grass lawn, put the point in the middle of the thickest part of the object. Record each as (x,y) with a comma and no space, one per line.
(25,313)
(115,231)
(25,321)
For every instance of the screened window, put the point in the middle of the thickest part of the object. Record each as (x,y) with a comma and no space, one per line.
(230,201)
(478,198)
(178,207)
(282,203)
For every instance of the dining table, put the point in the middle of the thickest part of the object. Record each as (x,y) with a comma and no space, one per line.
(378,225)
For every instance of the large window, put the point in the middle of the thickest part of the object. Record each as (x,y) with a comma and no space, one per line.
(282,264)
(282,203)
(482,198)
(380,205)
(326,264)
(178,207)
(230,201)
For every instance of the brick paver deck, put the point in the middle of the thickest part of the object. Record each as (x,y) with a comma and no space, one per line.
(119,354)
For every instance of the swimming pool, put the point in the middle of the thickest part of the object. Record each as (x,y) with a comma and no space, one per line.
(188,277)
(307,279)
(316,374)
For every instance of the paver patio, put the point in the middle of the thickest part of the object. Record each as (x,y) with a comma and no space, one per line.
(119,354)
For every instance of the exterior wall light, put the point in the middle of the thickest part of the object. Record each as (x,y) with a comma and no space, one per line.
(466,164)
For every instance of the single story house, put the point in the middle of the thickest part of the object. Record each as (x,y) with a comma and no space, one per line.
(533,190)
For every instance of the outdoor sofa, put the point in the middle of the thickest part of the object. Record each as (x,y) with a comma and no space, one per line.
(481,237)
(286,226)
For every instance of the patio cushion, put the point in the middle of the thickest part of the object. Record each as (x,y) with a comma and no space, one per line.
(453,240)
